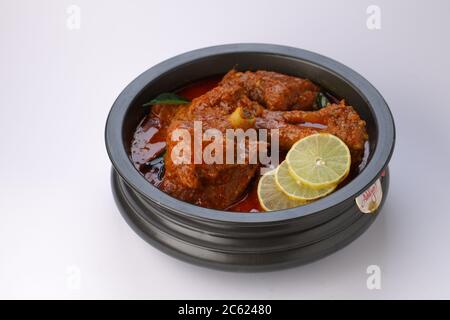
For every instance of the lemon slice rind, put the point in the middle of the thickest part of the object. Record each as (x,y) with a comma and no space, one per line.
(295,189)
(271,198)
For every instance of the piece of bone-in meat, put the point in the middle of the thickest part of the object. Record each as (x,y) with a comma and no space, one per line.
(215,185)
(338,119)
(275,91)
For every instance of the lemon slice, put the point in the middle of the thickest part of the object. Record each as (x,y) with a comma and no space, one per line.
(320,160)
(271,197)
(296,189)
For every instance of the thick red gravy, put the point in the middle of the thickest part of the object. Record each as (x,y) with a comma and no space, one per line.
(149,143)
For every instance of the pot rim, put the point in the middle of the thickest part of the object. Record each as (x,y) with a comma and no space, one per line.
(125,168)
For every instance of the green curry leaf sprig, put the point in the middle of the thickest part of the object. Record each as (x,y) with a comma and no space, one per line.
(167,98)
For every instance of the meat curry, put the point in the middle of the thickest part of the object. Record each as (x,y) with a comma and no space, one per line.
(268,100)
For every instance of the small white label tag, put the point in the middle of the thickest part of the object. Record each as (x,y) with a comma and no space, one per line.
(369,200)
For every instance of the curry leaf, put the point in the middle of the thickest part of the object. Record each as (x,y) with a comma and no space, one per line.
(167,98)
(157,158)
(321,101)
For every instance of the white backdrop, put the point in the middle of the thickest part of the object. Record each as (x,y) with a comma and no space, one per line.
(61,235)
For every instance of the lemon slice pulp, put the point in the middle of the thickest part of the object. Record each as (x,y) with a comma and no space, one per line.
(296,189)
(319,161)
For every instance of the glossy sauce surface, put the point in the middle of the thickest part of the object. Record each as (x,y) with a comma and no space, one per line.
(149,143)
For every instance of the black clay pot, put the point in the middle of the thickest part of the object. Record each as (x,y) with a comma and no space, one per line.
(249,241)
